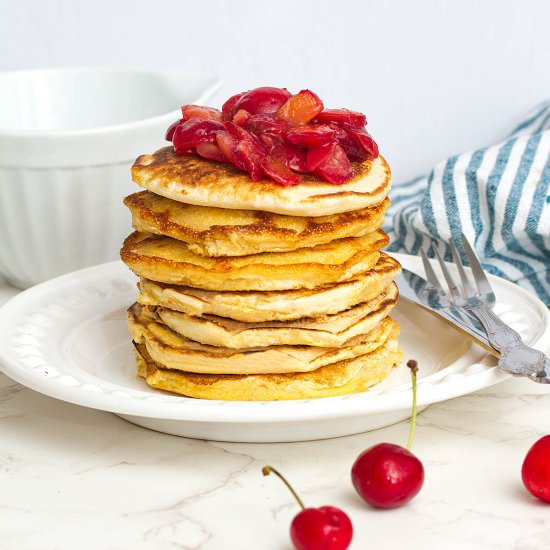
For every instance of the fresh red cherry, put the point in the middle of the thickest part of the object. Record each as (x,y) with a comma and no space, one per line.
(388,475)
(324,528)
(535,471)
(263,100)
(319,528)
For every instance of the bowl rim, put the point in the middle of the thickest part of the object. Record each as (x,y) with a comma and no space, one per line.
(213,85)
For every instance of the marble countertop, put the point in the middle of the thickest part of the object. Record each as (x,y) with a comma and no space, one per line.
(79,479)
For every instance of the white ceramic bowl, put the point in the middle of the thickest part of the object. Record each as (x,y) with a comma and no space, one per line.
(67,141)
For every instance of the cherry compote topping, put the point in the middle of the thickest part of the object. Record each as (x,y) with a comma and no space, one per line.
(270,133)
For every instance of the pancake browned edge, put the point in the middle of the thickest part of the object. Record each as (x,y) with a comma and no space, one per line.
(342,378)
(223,232)
(323,331)
(172,351)
(285,305)
(167,260)
(195,180)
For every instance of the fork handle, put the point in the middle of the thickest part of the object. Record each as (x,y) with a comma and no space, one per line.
(515,357)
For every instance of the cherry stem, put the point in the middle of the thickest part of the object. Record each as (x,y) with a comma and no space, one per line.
(413,366)
(266,470)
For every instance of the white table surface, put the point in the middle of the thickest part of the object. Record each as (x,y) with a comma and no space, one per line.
(76,479)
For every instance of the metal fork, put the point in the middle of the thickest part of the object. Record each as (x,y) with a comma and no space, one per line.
(475,295)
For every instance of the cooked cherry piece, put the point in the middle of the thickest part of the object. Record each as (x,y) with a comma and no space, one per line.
(342,116)
(264,100)
(266,124)
(301,108)
(535,471)
(323,528)
(210,151)
(241,117)
(171,129)
(229,107)
(190,132)
(310,136)
(330,163)
(204,113)
(291,156)
(366,147)
(278,172)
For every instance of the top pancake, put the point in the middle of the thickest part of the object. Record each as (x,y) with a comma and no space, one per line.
(194,180)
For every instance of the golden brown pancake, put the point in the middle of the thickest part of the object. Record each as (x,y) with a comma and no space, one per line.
(195,180)
(273,306)
(341,378)
(222,232)
(172,351)
(326,331)
(170,261)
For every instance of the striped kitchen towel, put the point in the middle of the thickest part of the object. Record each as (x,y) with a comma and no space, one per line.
(497,196)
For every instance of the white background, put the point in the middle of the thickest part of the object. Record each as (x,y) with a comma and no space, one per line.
(434,77)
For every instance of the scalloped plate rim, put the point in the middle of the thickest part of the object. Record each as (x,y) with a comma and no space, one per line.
(433,388)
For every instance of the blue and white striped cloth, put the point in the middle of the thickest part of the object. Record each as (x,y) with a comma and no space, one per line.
(497,196)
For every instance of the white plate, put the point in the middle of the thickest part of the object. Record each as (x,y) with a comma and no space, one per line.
(67,338)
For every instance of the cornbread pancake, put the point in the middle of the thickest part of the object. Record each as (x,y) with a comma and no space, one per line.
(326,331)
(341,378)
(195,180)
(167,260)
(222,232)
(170,350)
(283,305)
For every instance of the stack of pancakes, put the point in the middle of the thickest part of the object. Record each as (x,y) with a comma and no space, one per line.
(254,291)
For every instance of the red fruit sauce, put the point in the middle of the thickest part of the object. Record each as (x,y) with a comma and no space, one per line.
(272,134)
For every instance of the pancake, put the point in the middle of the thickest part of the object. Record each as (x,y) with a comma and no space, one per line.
(176,352)
(326,331)
(341,378)
(195,180)
(273,306)
(222,232)
(167,260)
